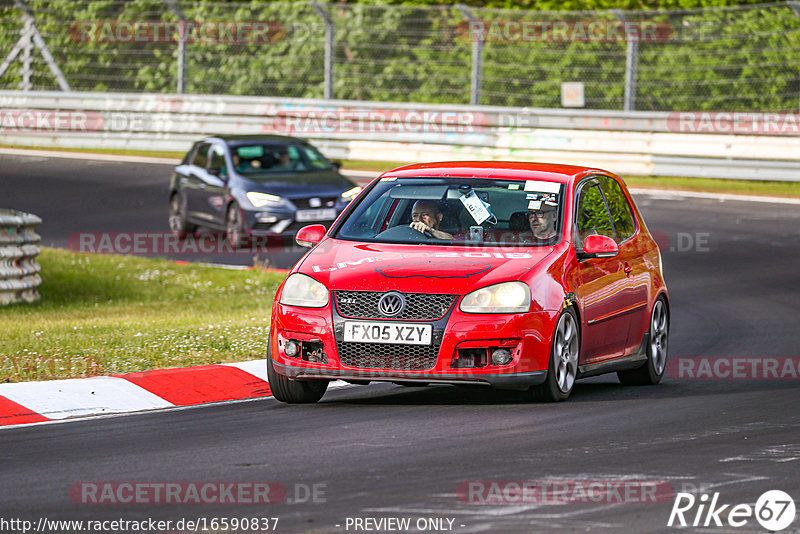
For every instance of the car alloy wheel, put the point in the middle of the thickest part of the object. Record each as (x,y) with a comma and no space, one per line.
(234,226)
(652,371)
(177,216)
(563,368)
(659,337)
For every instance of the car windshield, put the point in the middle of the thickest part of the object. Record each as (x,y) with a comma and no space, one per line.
(264,158)
(458,211)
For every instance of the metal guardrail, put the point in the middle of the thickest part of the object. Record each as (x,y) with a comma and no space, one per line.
(635,143)
(19,270)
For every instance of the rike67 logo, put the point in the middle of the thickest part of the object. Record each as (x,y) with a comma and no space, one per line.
(774,510)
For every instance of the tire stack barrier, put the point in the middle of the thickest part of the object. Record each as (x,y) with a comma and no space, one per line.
(19,246)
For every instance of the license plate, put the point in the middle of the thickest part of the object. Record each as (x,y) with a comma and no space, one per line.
(316,215)
(402,333)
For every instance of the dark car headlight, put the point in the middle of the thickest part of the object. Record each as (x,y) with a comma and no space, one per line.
(350,194)
(260,200)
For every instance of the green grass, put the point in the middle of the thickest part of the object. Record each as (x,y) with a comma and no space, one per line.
(708,185)
(105,314)
(112,151)
(716,185)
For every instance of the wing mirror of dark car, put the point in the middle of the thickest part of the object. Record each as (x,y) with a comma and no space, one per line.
(308,236)
(597,246)
(337,165)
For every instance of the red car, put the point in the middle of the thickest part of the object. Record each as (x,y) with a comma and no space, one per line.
(510,275)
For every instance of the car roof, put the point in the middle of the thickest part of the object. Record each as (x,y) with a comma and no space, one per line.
(494,169)
(256,137)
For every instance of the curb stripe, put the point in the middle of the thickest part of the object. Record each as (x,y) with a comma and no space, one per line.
(60,399)
(199,385)
(12,413)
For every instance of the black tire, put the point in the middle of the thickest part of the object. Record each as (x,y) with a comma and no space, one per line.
(234,226)
(652,371)
(293,391)
(178,224)
(561,371)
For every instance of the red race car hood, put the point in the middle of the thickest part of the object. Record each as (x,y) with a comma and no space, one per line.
(347,265)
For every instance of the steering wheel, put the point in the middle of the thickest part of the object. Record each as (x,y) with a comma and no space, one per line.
(404,233)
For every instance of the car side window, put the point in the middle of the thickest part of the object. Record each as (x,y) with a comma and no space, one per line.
(217,160)
(592,216)
(621,212)
(201,156)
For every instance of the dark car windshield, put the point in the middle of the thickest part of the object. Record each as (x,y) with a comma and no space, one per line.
(254,158)
(458,211)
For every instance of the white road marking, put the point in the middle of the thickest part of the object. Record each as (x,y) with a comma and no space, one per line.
(672,194)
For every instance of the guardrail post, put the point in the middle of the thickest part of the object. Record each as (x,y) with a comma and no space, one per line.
(795,5)
(19,271)
(31,36)
(330,43)
(27,57)
(631,60)
(181,74)
(476,31)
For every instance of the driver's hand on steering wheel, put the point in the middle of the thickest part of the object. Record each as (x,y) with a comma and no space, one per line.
(420,226)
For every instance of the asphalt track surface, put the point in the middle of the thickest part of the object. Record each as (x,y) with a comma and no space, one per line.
(388,451)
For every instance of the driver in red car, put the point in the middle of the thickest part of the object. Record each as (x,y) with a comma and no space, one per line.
(426,217)
(543,222)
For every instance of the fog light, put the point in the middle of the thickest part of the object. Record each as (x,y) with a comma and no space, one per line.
(501,356)
(290,348)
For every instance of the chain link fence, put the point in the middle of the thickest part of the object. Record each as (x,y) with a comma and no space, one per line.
(744,58)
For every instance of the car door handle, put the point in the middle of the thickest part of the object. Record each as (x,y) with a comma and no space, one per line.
(201,185)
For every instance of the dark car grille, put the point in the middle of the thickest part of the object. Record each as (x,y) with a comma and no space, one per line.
(388,356)
(291,229)
(325,202)
(364,305)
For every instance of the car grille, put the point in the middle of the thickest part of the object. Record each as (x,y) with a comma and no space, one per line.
(291,229)
(325,202)
(388,356)
(421,306)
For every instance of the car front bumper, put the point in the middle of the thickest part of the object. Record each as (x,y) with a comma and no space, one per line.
(527,336)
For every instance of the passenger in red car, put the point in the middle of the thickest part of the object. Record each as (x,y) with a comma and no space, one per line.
(426,217)
(543,222)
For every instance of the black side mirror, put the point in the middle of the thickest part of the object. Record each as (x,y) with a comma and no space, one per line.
(215,170)
(337,165)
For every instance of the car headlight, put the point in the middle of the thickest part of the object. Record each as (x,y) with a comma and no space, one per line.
(262,199)
(350,194)
(302,290)
(508,297)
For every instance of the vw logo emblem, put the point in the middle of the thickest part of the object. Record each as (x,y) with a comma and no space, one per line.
(392,304)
